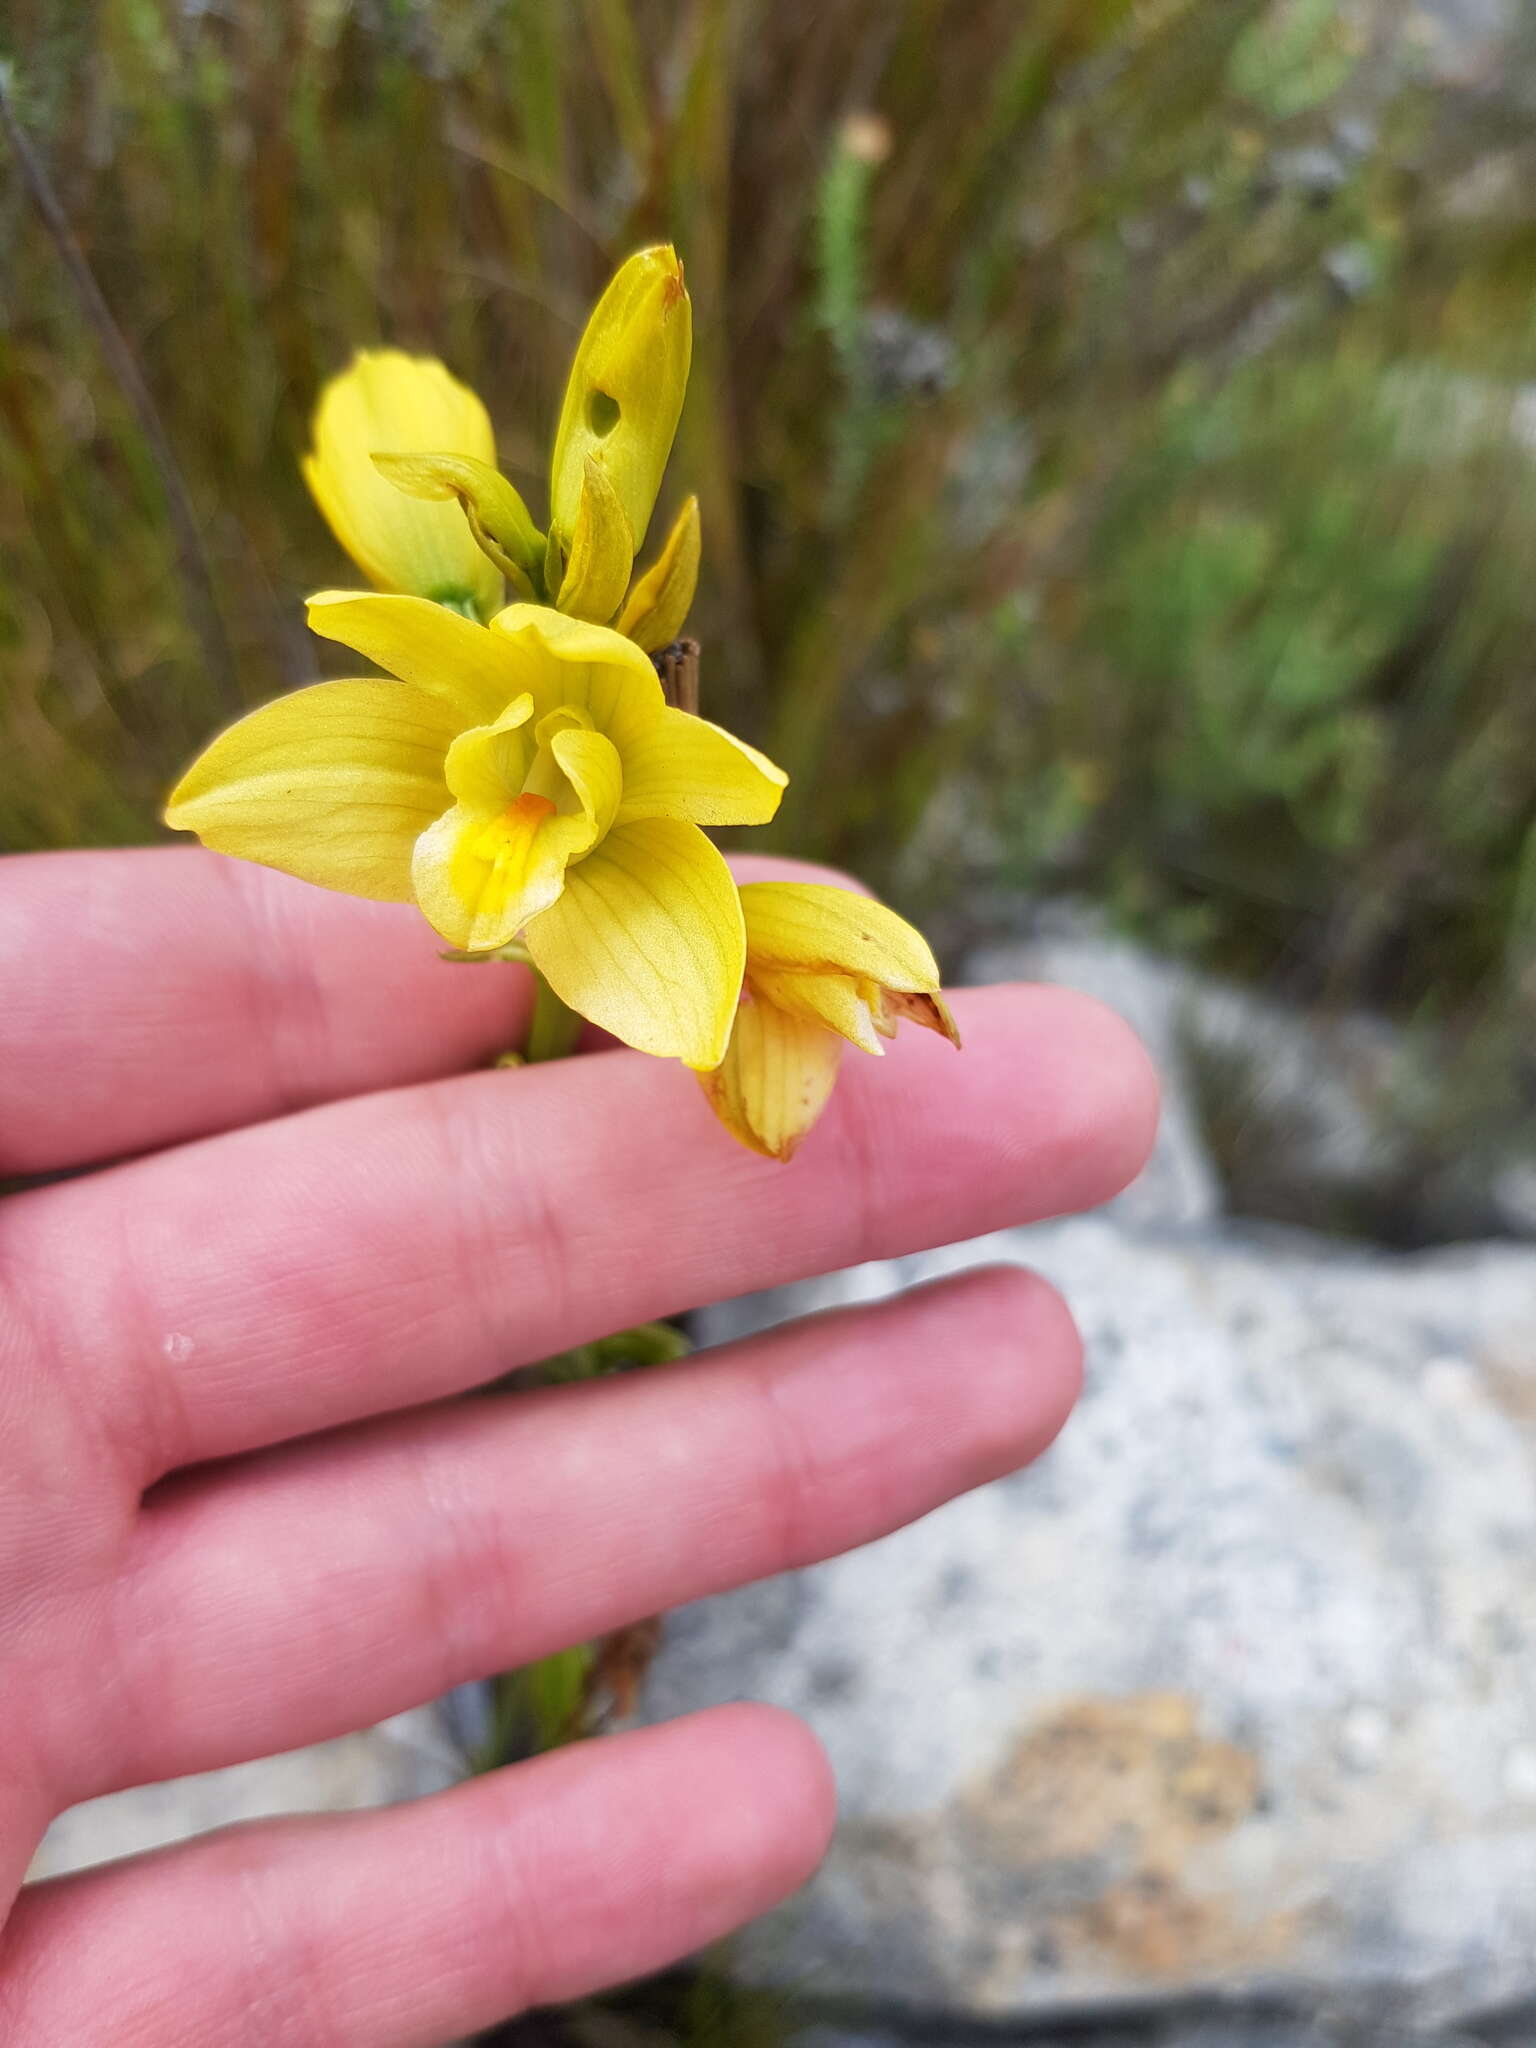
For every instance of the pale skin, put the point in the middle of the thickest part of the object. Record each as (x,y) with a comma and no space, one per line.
(240,1509)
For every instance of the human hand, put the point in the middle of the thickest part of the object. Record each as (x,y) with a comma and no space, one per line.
(239,1511)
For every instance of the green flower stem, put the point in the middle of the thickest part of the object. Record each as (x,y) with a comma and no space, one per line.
(546,1704)
(555,1029)
(537,1708)
(543,1706)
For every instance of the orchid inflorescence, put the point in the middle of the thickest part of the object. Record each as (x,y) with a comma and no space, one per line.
(518,770)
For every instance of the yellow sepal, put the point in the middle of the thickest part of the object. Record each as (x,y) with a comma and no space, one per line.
(389,402)
(646,940)
(465,664)
(333,784)
(500,522)
(684,767)
(816,928)
(657,608)
(602,553)
(625,390)
(775,1079)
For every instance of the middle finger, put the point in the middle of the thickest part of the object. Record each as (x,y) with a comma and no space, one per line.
(313,1589)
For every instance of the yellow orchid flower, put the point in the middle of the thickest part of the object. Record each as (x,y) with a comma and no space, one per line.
(387,402)
(524,782)
(824,965)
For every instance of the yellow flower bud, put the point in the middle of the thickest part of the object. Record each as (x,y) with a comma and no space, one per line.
(386,402)
(625,391)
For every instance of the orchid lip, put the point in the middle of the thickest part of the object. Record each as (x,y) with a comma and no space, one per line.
(510,834)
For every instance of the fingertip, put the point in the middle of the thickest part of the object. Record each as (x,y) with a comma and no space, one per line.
(1104,1093)
(1050,1108)
(433,1919)
(1023,1361)
(1131,1088)
(776,1799)
(1039,1349)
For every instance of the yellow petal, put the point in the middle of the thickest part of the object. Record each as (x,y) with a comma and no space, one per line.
(591,765)
(589,668)
(775,1078)
(646,940)
(465,664)
(488,765)
(840,1002)
(814,927)
(625,390)
(657,608)
(501,523)
(684,767)
(332,784)
(386,402)
(602,553)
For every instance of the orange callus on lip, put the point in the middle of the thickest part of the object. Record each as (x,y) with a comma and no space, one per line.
(508,840)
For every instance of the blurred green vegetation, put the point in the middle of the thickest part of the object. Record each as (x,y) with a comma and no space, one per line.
(1113,418)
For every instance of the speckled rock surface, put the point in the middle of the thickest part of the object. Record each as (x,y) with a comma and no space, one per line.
(411,1754)
(1234,1693)
(1232,2028)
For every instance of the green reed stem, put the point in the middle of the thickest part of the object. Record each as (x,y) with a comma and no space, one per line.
(555,1029)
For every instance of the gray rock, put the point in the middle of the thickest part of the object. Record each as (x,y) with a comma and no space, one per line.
(1234,1694)
(1234,2031)
(851,2037)
(404,1757)
(1180,1185)
(1332,1121)
(1230,2029)
(1514,1197)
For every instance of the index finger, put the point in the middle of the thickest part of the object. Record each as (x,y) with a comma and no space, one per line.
(164,993)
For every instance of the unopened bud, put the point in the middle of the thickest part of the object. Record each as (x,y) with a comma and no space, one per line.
(625,391)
